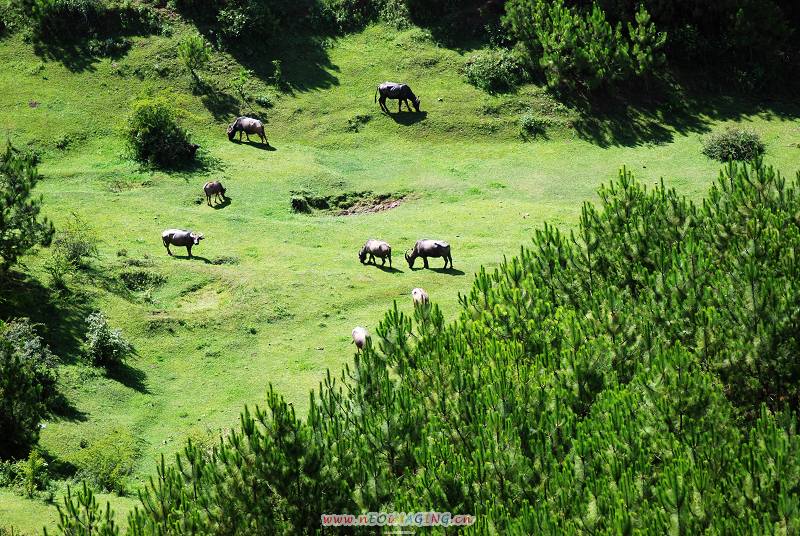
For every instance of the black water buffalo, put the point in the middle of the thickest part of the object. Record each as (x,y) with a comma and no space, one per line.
(429,248)
(376,248)
(216,189)
(401,92)
(248,125)
(180,237)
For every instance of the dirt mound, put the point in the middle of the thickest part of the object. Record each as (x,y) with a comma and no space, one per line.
(345,204)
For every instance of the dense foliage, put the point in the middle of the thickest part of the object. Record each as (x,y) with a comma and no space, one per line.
(154,136)
(69,20)
(733,144)
(194,53)
(22,404)
(637,374)
(573,47)
(21,228)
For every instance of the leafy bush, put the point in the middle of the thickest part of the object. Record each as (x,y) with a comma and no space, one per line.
(493,70)
(76,240)
(31,474)
(105,346)
(733,144)
(35,354)
(20,225)
(108,461)
(154,136)
(532,125)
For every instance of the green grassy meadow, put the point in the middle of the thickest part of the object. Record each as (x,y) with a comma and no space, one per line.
(272,296)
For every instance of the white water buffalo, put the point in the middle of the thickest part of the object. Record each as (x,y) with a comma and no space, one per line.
(394,90)
(429,248)
(215,189)
(248,125)
(360,337)
(180,237)
(376,248)
(419,296)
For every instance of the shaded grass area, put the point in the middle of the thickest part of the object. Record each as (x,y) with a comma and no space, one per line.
(271,296)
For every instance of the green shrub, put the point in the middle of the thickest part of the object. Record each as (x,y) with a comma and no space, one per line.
(733,144)
(105,346)
(31,474)
(154,137)
(76,240)
(107,461)
(531,125)
(493,70)
(138,280)
(30,348)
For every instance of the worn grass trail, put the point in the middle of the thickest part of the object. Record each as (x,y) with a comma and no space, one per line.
(272,295)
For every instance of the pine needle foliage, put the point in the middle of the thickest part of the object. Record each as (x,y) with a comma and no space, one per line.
(636,375)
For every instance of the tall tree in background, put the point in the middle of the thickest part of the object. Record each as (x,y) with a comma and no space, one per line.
(21,228)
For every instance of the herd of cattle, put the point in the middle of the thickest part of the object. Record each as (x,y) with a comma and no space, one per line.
(372,248)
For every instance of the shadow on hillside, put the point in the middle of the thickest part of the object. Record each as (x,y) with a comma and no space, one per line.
(408,118)
(655,117)
(62,317)
(448,271)
(130,377)
(223,106)
(192,258)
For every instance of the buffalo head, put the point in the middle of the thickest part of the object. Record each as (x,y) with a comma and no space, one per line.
(362,255)
(410,258)
(196,238)
(416,102)
(231,132)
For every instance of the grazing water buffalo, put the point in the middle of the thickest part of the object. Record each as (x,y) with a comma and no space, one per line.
(180,237)
(419,296)
(248,125)
(376,248)
(216,189)
(429,248)
(360,337)
(401,92)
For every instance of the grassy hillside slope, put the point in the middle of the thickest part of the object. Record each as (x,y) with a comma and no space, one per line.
(273,295)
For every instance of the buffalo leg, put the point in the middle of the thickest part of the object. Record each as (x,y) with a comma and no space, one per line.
(425,261)
(168,251)
(383,261)
(390,260)
(382,101)
(189,249)
(240,136)
(399,105)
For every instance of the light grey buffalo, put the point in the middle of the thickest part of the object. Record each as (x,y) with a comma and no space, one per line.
(395,90)
(360,337)
(215,189)
(248,125)
(429,248)
(180,237)
(376,248)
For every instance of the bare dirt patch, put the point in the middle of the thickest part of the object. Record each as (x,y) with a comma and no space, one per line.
(347,203)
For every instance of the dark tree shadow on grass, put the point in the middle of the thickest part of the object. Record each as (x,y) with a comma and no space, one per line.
(654,116)
(129,376)
(223,106)
(62,316)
